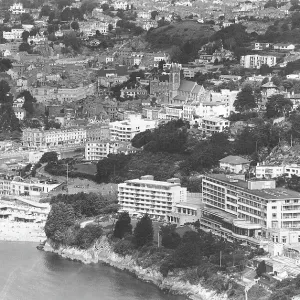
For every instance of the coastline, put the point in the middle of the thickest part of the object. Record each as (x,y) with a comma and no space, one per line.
(103,252)
(21,232)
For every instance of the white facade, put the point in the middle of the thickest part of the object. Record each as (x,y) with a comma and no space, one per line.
(17,9)
(14,34)
(250,211)
(273,171)
(256,61)
(26,187)
(20,113)
(210,125)
(145,195)
(127,129)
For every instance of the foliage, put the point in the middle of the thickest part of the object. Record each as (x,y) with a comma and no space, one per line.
(25,36)
(86,236)
(26,18)
(60,218)
(49,157)
(71,40)
(25,47)
(75,25)
(29,101)
(123,225)
(5,64)
(169,237)
(84,205)
(124,247)
(245,100)
(170,137)
(143,232)
(278,106)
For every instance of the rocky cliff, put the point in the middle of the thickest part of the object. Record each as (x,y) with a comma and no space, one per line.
(103,252)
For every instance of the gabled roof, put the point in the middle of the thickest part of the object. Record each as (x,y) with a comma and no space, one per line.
(187,86)
(234,160)
(269,84)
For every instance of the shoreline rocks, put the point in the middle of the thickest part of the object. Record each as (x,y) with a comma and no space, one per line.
(103,252)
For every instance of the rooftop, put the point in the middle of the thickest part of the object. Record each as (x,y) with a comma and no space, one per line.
(276,193)
(234,160)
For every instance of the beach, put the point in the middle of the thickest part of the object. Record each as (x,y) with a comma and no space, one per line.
(21,232)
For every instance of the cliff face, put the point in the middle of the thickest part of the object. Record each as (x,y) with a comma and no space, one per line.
(103,252)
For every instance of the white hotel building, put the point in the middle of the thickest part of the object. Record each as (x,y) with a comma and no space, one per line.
(146,195)
(127,129)
(253,211)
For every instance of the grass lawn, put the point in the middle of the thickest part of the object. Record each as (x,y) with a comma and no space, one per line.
(90,169)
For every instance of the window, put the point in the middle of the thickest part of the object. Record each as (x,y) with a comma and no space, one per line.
(284,239)
(273,207)
(274,215)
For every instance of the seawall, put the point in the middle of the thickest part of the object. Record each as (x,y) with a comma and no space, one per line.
(103,252)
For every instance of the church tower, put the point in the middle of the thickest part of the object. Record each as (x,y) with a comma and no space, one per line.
(174,81)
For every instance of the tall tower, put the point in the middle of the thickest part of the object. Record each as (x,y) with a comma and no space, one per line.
(174,81)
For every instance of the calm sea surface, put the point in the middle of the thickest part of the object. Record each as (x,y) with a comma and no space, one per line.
(29,274)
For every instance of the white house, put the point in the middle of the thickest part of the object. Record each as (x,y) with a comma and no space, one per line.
(17,9)
(20,113)
(234,164)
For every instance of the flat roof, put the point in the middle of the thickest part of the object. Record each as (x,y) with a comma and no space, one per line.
(152,182)
(276,193)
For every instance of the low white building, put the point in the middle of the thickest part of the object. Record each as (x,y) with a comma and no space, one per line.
(274,171)
(234,164)
(17,9)
(20,113)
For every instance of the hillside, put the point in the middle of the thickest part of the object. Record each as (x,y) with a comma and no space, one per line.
(163,38)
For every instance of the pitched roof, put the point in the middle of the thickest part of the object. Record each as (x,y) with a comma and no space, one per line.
(234,160)
(269,84)
(187,86)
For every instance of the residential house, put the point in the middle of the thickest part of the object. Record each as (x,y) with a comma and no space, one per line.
(234,164)
(256,61)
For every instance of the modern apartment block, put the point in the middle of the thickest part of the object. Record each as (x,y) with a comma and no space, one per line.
(99,150)
(146,195)
(127,129)
(212,125)
(249,211)
(256,61)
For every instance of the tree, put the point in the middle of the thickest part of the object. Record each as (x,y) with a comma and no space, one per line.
(49,157)
(27,18)
(169,237)
(25,36)
(63,3)
(25,47)
(261,268)
(265,70)
(45,11)
(29,101)
(71,40)
(143,232)
(110,27)
(5,64)
(278,106)
(60,218)
(5,97)
(123,225)
(154,14)
(265,80)
(75,25)
(245,99)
